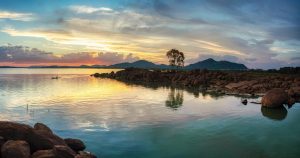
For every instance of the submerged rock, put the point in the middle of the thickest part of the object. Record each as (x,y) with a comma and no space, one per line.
(275,98)
(75,144)
(15,149)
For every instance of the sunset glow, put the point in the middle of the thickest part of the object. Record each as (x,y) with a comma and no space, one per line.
(259,34)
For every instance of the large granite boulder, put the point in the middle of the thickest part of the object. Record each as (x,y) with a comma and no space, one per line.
(15,149)
(75,144)
(275,98)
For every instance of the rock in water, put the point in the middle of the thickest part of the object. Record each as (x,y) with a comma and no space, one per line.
(75,144)
(275,98)
(43,140)
(15,149)
(61,151)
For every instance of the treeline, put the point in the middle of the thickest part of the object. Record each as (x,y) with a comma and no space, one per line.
(283,70)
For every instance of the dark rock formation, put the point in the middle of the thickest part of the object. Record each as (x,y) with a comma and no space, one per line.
(15,149)
(19,140)
(75,144)
(233,82)
(275,98)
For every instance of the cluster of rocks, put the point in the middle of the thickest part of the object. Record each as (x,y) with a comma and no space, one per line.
(23,141)
(228,82)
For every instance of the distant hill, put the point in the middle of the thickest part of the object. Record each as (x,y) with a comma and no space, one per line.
(211,64)
(139,64)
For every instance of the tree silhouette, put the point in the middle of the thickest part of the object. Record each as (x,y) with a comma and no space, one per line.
(176,58)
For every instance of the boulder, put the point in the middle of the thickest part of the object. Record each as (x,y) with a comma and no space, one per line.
(75,144)
(274,98)
(15,131)
(43,140)
(62,151)
(2,141)
(43,127)
(43,154)
(15,149)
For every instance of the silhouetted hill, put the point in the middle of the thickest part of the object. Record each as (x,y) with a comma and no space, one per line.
(211,64)
(139,64)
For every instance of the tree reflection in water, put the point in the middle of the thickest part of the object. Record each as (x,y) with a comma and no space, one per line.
(175,98)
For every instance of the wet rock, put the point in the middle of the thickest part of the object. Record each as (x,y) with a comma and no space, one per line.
(62,151)
(15,149)
(274,98)
(42,127)
(43,154)
(75,144)
(84,154)
(43,140)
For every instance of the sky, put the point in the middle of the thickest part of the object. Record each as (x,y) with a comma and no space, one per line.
(258,33)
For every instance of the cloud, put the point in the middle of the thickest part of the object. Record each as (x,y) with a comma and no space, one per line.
(260,34)
(88,9)
(31,56)
(16,16)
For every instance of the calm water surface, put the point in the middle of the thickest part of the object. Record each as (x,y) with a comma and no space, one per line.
(119,120)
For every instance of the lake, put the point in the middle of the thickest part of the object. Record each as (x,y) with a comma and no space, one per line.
(116,119)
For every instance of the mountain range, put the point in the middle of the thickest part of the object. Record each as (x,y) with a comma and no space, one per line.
(210,64)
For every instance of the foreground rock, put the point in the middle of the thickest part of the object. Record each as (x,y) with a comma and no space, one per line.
(20,140)
(15,149)
(275,98)
(75,144)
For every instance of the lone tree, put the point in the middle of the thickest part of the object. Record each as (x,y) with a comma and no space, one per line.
(176,58)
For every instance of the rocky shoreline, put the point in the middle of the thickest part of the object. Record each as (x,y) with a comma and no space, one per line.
(223,82)
(23,141)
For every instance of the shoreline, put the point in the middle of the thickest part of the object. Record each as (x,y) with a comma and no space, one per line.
(223,82)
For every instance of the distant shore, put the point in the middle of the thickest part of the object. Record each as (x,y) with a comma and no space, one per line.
(226,82)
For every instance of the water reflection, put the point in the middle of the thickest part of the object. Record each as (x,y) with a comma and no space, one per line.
(175,98)
(274,114)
